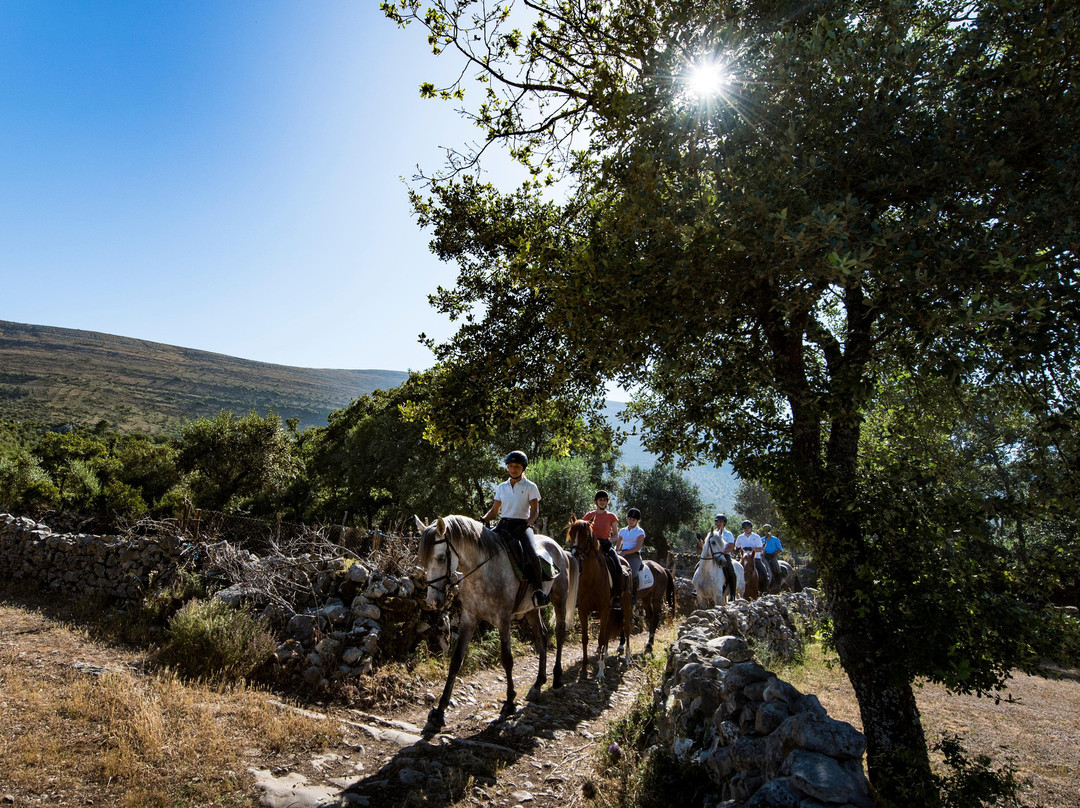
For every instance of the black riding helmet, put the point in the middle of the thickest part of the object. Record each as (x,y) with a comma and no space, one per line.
(517,456)
(720,516)
(599,494)
(633,513)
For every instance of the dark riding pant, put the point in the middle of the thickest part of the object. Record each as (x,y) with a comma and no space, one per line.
(518,531)
(729,574)
(774,564)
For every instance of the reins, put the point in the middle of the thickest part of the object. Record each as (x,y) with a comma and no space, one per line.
(446,540)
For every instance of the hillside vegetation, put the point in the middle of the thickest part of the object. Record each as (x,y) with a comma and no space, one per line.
(61,375)
(53,375)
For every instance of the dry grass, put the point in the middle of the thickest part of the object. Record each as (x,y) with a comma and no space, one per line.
(1035,728)
(122,738)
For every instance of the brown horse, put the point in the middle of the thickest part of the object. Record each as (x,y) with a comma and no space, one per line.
(754,588)
(595,596)
(652,599)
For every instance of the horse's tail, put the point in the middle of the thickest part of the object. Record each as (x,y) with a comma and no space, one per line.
(573,578)
(670,593)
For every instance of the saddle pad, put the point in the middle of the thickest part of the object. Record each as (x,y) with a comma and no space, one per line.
(644,579)
(548,570)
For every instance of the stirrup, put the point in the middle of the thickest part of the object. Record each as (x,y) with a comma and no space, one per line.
(540,598)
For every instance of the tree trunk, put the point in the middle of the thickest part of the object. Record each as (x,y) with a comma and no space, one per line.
(897,760)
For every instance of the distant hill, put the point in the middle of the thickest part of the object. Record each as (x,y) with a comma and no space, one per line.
(65,375)
(716,485)
(56,375)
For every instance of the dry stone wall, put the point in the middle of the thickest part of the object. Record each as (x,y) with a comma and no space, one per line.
(80,564)
(763,743)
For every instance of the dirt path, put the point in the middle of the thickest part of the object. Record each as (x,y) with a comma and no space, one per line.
(539,757)
(57,748)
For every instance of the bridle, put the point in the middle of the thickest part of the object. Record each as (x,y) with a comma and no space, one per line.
(591,547)
(448,577)
(713,555)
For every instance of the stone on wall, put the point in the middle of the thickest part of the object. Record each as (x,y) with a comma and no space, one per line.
(758,738)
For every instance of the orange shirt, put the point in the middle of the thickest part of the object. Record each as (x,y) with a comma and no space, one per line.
(602,522)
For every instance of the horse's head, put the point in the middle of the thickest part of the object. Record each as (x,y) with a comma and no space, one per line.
(438,560)
(712,546)
(747,556)
(580,536)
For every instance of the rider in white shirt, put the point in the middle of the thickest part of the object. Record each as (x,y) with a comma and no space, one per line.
(517,504)
(749,540)
(631,540)
(727,542)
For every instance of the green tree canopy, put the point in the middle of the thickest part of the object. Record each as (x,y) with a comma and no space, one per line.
(236,463)
(667,502)
(883,190)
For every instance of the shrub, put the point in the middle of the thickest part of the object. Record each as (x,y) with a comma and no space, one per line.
(210,638)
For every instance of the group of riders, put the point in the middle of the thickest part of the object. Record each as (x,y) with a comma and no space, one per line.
(766,547)
(517,507)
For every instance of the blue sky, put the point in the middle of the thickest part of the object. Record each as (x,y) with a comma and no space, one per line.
(223,175)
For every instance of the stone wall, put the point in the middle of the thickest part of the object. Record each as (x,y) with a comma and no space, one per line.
(79,564)
(763,743)
(365,615)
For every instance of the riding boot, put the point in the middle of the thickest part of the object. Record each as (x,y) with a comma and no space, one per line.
(535,576)
(729,572)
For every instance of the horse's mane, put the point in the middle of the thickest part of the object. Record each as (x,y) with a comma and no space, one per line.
(460,529)
(580,524)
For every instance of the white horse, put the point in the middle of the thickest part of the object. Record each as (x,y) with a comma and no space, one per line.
(460,552)
(709,578)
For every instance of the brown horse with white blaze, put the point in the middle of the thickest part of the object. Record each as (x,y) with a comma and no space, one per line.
(595,597)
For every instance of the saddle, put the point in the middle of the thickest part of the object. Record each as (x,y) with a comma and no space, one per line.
(548,570)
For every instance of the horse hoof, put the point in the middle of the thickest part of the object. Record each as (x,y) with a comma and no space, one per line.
(435,721)
(508,709)
(533,694)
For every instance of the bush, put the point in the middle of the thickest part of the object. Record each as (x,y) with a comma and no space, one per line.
(210,638)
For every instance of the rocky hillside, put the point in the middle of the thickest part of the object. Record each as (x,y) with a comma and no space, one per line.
(60,374)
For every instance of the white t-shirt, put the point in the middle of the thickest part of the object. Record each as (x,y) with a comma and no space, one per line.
(514,499)
(752,541)
(628,538)
(723,539)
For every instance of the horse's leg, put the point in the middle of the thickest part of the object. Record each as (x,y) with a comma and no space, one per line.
(437,717)
(652,617)
(583,618)
(602,637)
(560,635)
(627,627)
(507,656)
(540,634)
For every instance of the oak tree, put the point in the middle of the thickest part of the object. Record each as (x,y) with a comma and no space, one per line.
(871,192)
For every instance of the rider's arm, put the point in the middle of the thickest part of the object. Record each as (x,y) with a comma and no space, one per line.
(534,511)
(493,511)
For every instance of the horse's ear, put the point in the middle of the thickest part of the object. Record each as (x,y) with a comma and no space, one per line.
(573,517)
(419,523)
(440,527)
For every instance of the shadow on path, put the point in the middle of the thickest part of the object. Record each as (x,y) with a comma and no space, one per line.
(437,771)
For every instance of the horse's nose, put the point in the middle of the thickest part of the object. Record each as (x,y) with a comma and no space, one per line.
(433,599)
